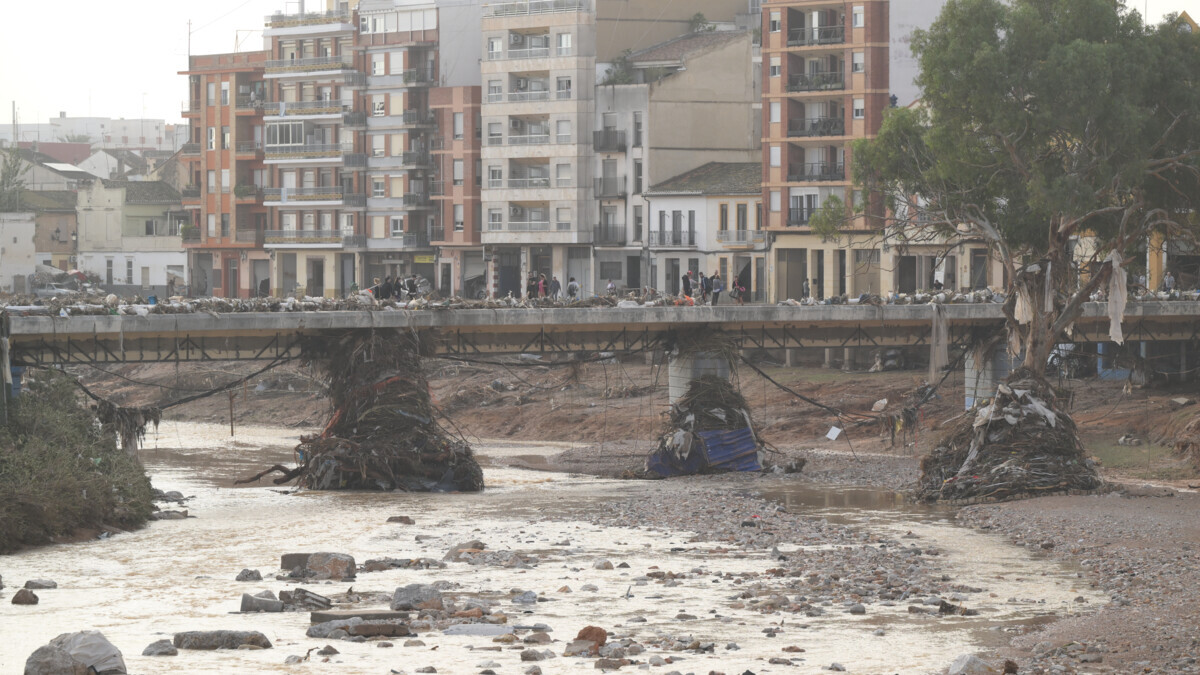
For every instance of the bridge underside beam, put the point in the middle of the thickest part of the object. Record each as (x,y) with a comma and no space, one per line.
(157,349)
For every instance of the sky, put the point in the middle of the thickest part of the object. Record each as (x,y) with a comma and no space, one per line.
(121,58)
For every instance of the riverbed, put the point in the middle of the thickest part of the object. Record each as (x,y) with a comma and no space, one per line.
(179,575)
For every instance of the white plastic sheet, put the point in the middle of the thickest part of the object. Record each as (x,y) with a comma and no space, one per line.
(1118,295)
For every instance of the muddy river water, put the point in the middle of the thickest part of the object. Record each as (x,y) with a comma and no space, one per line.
(179,575)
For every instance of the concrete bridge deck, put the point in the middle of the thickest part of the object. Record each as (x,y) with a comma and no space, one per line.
(43,340)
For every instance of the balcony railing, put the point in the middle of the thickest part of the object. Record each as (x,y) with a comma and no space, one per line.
(528,139)
(331,237)
(741,237)
(418,117)
(437,187)
(820,35)
(247,147)
(308,151)
(529,183)
(816,171)
(563,94)
(246,191)
(535,7)
(189,107)
(281,20)
(306,194)
(249,237)
(343,62)
(799,217)
(529,96)
(528,225)
(249,103)
(416,199)
(417,76)
(354,119)
(530,53)
(283,108)
(609,235)
(190,234)
(816,126)
(609,140)
(672,238)
(825,81)
(411,240)
(190,192)
(610,187)
(415,158)
(191,148)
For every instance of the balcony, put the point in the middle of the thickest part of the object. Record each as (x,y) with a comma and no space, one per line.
(437,188)
(741,237)
(534,183)
(313,238)
(249,103)
(535,7)
(190,193)
(415,159)
(824,81)
(816,171)
(609,140)
(526,226)
(611,187)
(403,240)
(244,192)
(799,217)
(298,108)
(416,199)
(609,235)
(249,147)
(313,151)
(672,238)
(419,117)
(190,149)
(527,139)
(417,76)
(820,35)
(281,20)
(190,234)
(530,53)
(816,126)
(521,96)
(312,64)
(189,108)
(306,196)
(254,237)
(354,119)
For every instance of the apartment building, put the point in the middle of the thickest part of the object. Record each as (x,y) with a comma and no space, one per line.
(539,73)
(455,191)
(661,112)
(226,175)
(830,70)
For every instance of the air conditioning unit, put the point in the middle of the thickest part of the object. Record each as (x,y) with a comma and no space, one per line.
(516,210)
(522,83)
(516,39)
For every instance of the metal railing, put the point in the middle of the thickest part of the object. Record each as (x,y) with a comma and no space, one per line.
(249,146)
(816,171)
(247,102)
(741,237)
(190,233)
(609,140)
(672,238)
(563,94)
(817,82)
(190,192)
(609,235)
(190,148)
(354,119)
(310,150)
(535,7)
(528,226)
(415,158)
(418,117)
(798,217)
(417,76)
(610,186)
(309,194)
(819,35)
(416,199)
(354,160)
(246,191)
(312,63)
(529,53)
(529,183)
(189,107)
(249,237)
(437,187)
(517,96)
(281,20)
(283,108)
(816,126)
(495,97)
(411,240)
(332,237)
(530,139)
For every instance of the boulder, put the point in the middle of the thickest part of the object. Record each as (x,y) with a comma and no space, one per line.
(473,546)
(335,566)
(602,565)
(326,628)
(221,639)
(526,598)
(290,561)
(403,520)
(969,664)
(580,648)
(82,652)
(160,648)
(416,596)
(40,584)
(253,603)
(25,597)
(249,575)
(593,634)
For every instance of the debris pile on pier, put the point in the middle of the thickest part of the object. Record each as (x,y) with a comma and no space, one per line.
(708,430)
(384,433)
(1017,444)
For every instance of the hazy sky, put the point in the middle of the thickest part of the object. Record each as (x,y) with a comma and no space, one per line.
(120,58)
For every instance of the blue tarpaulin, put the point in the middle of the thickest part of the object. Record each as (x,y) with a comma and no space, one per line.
(703,451)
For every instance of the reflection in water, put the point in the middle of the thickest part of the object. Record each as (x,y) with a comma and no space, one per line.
(178,575)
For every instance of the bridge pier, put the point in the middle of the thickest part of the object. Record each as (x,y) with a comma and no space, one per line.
(683,368)
(981,374)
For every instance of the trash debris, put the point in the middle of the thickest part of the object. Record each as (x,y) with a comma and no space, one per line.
(384,433)
(1015,444)
(709,430)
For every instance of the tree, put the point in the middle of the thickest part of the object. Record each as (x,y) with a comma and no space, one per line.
(12,180)
(1044,123)
(699,24)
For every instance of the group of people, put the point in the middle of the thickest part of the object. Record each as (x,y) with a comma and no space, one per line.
(700,288)
(400,289)
(539,287)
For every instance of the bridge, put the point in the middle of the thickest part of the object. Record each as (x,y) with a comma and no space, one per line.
(39,340)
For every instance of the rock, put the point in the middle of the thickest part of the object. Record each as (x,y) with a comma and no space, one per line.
(84,652)
(836,667)
(532,655)
(160,648)
(249,575)
(426,669)
(364,614)
(25,597)
(171,496)
(969,664)
(335,566)
(477,629)
(580,648)
(325,629)
(221,639)
(591,588)
(40,584)
(526,598)
(416,596)
(611,664)
(290,561)
(1011,667)
(414,643)
(858,609)
(169,515)
(473,546)
(1091,658)
(1147,491)
(384,645)
(266,595)
(538,638)
(379,629)
(306,599)
(403,520)
(533,670)
(253,603)
(293,660)
(602,565)
(593,634)
(327,650)
(1181,402)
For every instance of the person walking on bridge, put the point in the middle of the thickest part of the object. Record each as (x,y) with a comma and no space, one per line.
(555,287)
(687,284)
(717,287)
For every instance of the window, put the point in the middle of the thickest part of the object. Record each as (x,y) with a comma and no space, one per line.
(495,219)
(377,187)
(776,112)
(225,138)
(129,271)
(397,226)
(858,63)
(564,87)
(377,67)
(458,172)
(212,181)
(776,155)
(775,203)
(637,176)
(458,218)
(637,128)
(637,222)
(495,47)
(860,108)
(858,18)
(742,217)
(458,126)
(224,224)
(494,133)
(225,182)
(562,218)
(478,173)
(212,138)
(212,224)
(108,271)
(857,197)
(610,270)
(775,23)
(495,177)
(723,217)
(378,107)
(776,66)
(564,44)
(378,146)
(224,93)
(212,93)
(495,91)
(564,131)
(562,173)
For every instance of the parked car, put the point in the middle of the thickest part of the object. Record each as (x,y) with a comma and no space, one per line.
(53,290)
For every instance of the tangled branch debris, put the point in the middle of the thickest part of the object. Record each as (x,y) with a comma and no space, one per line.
(383,434)
(708,430)
(129,424)
(1017,444)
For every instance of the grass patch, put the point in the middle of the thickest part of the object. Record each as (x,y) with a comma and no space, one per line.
(1148,461)
(59,472)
